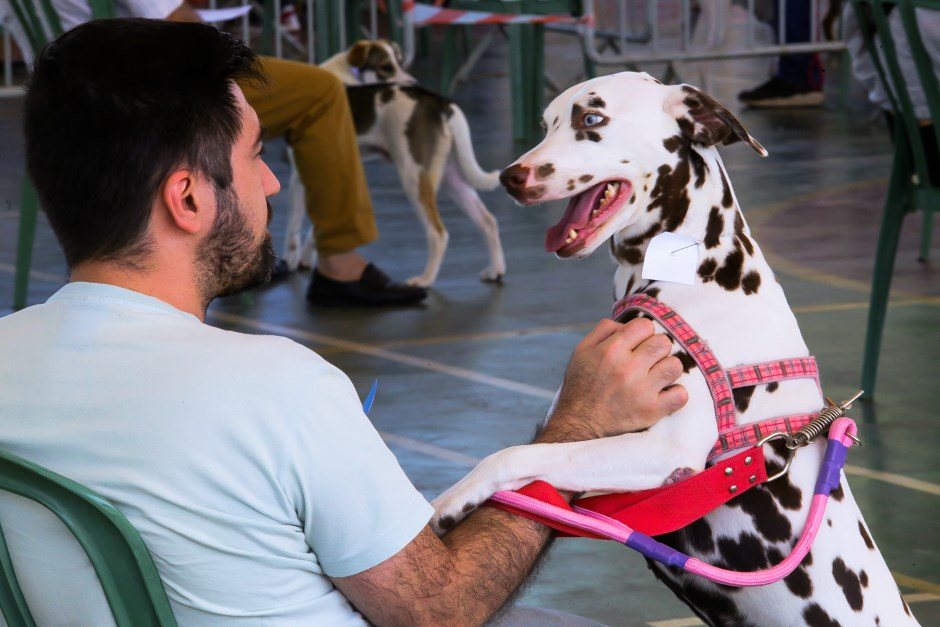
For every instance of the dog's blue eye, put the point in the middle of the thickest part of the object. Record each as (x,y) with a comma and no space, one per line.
(593,119)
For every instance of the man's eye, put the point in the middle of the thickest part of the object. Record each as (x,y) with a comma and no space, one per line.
(593,119)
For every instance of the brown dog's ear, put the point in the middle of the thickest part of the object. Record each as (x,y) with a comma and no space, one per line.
(706,121)
(399,55)
(356,57)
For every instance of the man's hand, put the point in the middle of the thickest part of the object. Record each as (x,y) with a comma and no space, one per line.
(620,378)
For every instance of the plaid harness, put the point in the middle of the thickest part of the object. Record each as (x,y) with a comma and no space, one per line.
(731,436)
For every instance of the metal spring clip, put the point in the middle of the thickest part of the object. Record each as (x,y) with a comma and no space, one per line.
(811,430)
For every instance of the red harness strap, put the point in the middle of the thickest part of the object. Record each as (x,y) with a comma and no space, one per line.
(671,507)
(659,510)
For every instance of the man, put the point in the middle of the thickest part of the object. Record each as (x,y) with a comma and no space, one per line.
(307,106)
(246,462)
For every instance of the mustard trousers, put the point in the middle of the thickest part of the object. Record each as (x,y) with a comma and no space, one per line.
(308,106)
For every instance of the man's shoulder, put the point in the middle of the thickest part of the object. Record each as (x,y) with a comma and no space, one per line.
(261,347)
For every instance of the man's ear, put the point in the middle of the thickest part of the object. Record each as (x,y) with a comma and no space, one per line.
(186,198)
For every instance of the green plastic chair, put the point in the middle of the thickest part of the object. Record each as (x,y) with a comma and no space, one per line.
(124,567)
(909,186)
(41,24)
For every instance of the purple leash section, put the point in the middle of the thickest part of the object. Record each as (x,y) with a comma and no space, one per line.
(842,435)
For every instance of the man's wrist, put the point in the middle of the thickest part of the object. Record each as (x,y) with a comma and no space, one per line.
(557,430)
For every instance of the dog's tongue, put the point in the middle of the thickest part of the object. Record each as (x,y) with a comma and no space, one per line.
(576,217)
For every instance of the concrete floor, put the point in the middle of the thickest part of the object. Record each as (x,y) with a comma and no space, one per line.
(474,369)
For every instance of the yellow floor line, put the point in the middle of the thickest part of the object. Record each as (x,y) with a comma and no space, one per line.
(35,274)
(857,306)
(478,337)
(366,349)
(431,450)
(506,384)
(912,599)
(894,479)
(677,622)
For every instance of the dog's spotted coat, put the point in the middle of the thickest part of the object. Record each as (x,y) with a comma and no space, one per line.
(426,137)
(637,158)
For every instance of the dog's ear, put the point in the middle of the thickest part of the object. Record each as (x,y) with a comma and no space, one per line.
(356,57)
(399,55)
(706,121)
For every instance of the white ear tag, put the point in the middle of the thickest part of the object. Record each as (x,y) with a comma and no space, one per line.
(671,257)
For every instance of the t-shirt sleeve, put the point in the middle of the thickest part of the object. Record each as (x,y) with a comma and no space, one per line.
(357,506)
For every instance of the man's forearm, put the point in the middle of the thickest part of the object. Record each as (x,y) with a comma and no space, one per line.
(495,552)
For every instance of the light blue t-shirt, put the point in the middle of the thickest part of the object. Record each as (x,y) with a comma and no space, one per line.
(245,461)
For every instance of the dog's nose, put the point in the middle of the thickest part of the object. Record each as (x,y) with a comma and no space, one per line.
(514,178)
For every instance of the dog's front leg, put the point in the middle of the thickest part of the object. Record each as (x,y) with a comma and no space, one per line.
(632,461)
(295,249)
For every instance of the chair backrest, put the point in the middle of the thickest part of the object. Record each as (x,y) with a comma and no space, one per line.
(41,22)
(123,565)
(873,20)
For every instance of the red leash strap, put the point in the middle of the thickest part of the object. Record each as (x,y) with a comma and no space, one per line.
(658,510)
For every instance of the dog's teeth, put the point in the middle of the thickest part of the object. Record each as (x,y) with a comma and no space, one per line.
(572,234)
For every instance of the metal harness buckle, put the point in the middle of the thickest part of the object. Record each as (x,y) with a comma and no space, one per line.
(810,431)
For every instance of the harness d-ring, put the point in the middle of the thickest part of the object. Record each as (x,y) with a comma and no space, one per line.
(791,450)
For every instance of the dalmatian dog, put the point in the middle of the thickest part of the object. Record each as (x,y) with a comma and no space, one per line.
(635,159)
(426,137)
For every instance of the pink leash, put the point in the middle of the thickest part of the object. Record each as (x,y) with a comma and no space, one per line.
(842,434)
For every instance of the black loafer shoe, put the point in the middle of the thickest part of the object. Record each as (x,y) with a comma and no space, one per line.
(374,288)
(279,272)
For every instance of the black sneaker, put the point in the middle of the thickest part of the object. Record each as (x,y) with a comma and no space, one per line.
(374,288)
(778,92)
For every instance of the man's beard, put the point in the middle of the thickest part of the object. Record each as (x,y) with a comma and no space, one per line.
(229,261)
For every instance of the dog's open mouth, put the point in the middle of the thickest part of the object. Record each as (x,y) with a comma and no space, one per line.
(586,213)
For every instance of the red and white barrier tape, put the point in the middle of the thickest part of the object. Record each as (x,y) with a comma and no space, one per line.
(426,14)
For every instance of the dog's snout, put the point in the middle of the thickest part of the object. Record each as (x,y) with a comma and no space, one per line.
(514,179)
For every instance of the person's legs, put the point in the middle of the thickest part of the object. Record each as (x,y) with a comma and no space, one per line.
(308,106)
(799,78)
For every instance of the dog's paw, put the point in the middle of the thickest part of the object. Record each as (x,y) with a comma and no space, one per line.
(420,281)
(679,474)
(492,276)
(448,513)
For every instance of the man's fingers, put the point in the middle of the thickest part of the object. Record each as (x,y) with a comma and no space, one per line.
(672,399)
(667,370)
(653,349)
(630,334)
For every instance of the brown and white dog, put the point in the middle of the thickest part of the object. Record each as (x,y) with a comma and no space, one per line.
(637,158)
(426,137)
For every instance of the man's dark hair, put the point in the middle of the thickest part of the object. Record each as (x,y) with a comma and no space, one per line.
(113,107)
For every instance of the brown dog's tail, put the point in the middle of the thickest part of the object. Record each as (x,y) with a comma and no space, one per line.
(476,176)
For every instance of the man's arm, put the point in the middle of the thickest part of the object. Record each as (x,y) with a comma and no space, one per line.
(619,379)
